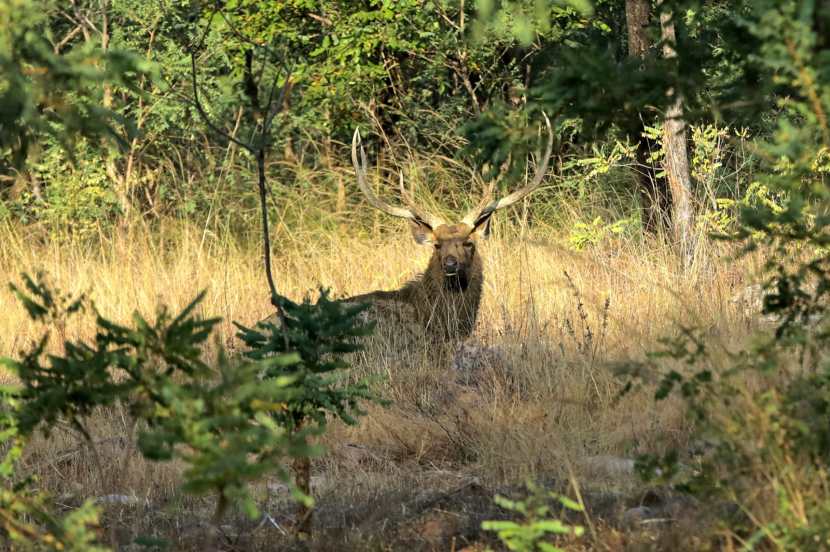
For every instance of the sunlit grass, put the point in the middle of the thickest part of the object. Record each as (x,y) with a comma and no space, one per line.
(560,322)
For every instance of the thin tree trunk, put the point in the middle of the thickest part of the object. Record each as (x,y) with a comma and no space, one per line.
(118,180)
(654,195)
(302,478)
(637,15)
(676,163)
(340,206)
(462,64)
(288,145)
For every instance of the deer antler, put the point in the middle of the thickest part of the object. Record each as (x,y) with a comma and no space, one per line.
(410,212)
(486,208)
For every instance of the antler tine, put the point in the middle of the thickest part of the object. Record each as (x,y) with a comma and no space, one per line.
(516,196)
(485,200)
(360,171)
(486,197)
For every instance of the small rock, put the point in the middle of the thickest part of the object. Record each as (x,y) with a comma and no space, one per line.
(124,500)
(470,361)
(638,515)
(355,455)
(280,488)
(277,488)
(610,465)
(318,481)
(750,300)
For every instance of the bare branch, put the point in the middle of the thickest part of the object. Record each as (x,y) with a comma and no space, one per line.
(272,109)
(324,20)
(259,142)
(204,114)
(67,38)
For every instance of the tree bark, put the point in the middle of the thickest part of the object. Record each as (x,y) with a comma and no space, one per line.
(637,15)
(654,195)
(119,181)
(676,164)
(288,145)
(302,478)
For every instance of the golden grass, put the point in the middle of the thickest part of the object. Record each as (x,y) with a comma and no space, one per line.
(526,282)
(560,319)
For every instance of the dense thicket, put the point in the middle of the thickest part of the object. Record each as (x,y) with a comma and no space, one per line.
(464,80)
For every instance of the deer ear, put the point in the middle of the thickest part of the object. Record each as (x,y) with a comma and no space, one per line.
(421,232)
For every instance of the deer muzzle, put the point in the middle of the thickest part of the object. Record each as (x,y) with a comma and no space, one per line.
(451,266)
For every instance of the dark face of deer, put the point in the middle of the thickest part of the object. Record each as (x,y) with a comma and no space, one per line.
(454,254)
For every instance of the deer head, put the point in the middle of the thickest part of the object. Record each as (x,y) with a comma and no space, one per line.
(455,244)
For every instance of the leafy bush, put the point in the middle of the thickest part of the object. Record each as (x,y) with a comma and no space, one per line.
(229,422)
(216,419)
(320,333)
(530,534)
(77,198)
(763,414)
(46,93)
(25,519)
(596,231)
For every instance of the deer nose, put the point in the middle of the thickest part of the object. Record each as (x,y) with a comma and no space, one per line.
(450,264)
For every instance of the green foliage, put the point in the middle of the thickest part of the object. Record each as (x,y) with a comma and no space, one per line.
(222,429)
(70,386)
(762,427)
(536,527)
(418,71)
(26,523)
(522,20)
(596,231)
(406,65)
(761,414)
(44,93)
(219,419)
(81,201)
(320,333)
(229,422)
(25,518)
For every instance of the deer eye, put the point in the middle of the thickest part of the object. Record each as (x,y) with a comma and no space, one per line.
(437,245)
(469,245)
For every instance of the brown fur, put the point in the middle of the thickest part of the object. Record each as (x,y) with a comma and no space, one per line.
(446,306)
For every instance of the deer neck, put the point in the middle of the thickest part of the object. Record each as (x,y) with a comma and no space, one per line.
(447,306)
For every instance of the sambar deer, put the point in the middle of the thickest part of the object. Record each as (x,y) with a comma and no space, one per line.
(446,297)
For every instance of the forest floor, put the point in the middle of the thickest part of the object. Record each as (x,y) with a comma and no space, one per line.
(534,395)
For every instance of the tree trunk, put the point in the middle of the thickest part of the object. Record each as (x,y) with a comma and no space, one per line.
(302,478)
(288,146)
(676,164)
(119,182)
(654,195)
(637,15)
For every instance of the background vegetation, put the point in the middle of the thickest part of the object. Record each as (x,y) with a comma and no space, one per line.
(662,298)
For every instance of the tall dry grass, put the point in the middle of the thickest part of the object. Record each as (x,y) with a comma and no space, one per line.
(557,323)
(529,282)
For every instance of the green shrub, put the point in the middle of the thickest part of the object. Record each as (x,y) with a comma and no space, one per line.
(532,532)
(215,418)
